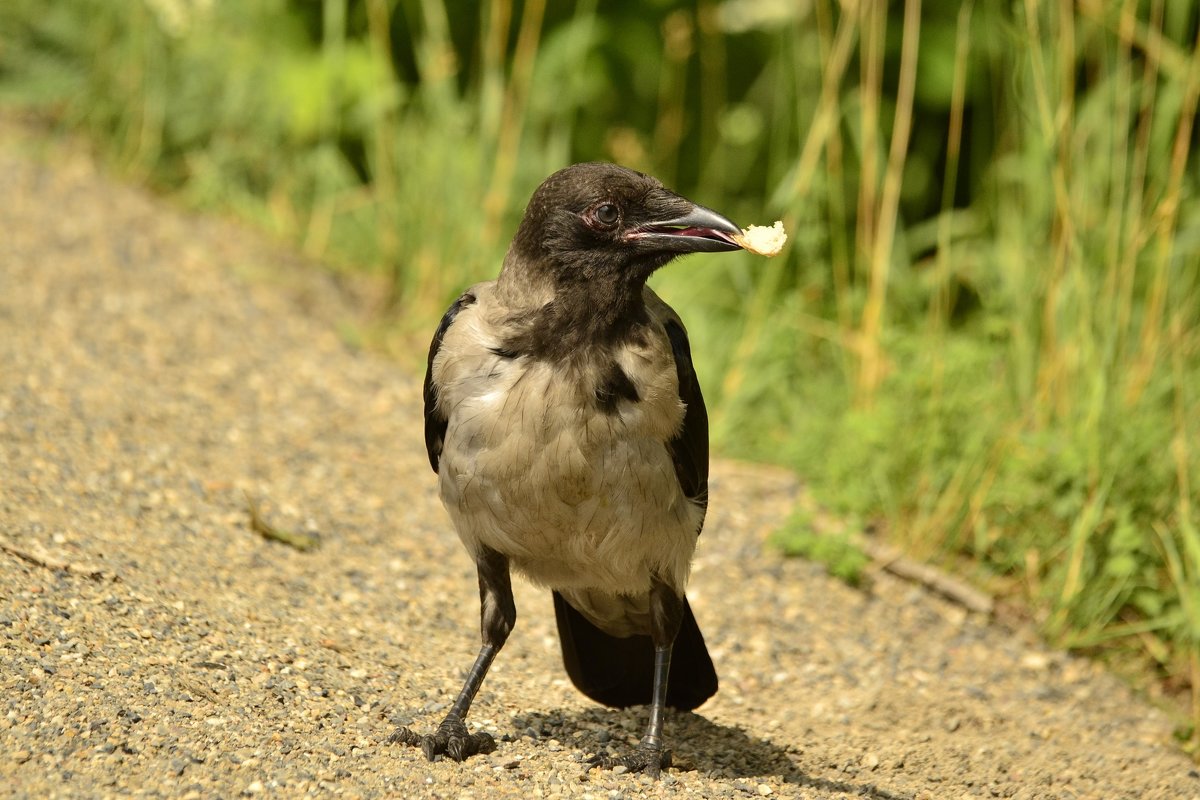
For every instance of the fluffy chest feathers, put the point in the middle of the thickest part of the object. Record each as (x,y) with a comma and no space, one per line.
(563,465)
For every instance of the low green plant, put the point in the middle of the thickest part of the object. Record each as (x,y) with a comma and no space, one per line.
(835,549)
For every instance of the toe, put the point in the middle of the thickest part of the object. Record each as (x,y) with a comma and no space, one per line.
(457,748)
(432,746)
(403,736)
(486,744)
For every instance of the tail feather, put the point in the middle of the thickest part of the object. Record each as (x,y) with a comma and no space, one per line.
(619,672)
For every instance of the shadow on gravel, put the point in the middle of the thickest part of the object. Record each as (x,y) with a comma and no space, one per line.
(698,744)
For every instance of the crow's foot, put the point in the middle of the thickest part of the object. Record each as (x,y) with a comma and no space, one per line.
(450,739)
(647,758)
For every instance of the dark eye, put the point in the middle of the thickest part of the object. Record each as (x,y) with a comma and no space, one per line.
(607,214)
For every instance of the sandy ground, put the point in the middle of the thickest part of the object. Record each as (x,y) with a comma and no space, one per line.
(153,644)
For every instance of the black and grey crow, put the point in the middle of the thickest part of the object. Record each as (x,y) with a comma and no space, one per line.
(566,426)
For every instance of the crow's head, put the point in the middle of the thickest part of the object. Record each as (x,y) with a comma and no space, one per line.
(600,223)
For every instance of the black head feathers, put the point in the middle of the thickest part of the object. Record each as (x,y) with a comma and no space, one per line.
(594,221)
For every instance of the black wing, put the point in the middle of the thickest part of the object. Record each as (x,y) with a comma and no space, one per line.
(689,448)
(435,420)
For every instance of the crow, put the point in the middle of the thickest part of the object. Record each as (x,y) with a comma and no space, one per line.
(566,426)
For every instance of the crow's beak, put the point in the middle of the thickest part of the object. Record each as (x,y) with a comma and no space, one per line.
(699,230)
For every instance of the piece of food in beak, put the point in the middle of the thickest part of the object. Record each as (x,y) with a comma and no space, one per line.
(762,240)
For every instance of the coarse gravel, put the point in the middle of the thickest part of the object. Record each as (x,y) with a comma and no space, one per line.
(157,368)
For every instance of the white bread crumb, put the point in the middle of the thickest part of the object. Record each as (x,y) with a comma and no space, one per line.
(763,240)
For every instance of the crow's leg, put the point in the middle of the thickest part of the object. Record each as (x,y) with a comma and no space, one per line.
(497,614)
(666,613)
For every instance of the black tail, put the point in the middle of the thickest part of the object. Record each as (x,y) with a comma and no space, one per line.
(620,672)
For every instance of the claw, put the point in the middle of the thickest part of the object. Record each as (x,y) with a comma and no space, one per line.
(450,739)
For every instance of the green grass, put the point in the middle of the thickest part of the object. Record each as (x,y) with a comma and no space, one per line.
(834,549)
(985,331)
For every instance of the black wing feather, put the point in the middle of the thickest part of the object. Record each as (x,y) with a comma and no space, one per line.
(689,448)
(435,420)
(619,672)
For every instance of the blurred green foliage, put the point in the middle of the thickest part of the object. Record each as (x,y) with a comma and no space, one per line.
(985,329)
(801,536)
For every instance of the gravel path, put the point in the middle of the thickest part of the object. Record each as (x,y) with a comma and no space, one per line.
(153,644)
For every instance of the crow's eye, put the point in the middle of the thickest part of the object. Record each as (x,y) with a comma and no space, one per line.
(607,214)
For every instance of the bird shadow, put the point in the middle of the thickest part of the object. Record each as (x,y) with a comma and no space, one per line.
(697,744)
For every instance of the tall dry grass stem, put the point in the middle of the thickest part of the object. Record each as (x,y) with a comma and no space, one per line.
(512,123)
(872,367)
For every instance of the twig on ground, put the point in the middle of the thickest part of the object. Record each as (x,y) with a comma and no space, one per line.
(890,559)
(300,540)
(36,555)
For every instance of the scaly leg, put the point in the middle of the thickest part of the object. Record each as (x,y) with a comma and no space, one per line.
(498,614)
(666,612)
